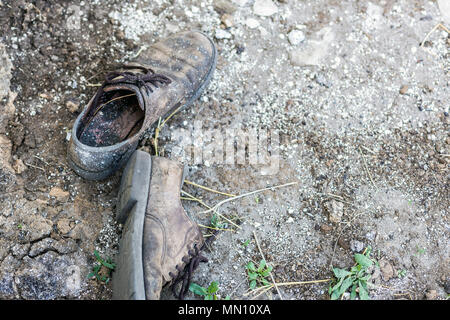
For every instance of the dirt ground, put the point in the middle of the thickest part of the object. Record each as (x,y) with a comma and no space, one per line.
(358,92)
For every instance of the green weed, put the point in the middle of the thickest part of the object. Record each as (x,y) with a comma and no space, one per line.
(208,293)
(401,273)
(257,276)
(355,279)
(96,270)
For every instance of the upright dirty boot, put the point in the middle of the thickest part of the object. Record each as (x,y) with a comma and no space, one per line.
(160,244)
(166,77)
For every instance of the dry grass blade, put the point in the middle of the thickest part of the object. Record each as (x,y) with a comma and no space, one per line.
(439,25)
(192,198)
(208,189)
(213,228)
(270,273)
(247,194)
(259,291)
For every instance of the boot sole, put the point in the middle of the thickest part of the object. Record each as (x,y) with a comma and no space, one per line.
(100,175)
(128,279)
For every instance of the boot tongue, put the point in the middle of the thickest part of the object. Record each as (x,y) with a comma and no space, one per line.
(127,87)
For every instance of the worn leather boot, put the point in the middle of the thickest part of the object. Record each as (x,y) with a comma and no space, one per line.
(160,244)
(165,78)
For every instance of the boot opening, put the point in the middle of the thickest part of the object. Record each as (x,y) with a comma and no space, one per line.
(115,118)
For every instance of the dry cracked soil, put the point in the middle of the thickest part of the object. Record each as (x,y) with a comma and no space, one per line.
(355,97)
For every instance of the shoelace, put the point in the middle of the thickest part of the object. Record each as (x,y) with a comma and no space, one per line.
(185,274)
(141,80)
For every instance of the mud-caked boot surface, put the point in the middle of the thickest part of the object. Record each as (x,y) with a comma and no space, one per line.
(159,242)
(164,79)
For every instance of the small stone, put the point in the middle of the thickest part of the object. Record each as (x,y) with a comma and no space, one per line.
(222,34)
(224,6)
(264,8)
(314,52)
(343,243)
(227,20)
(18,166)
(252,23)
(325,228)
(403,89)
(356,246)
(371,235)
(335,211)
(290,220)
(322,80)
(72,106)
(295,37)
(59,194)
(431,294)
(387,271)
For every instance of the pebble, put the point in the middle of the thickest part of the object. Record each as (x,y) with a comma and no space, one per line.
(72,106)
(264,8)
(335,210)
(315,51)
(227,20)
(403,89)
(356,246)
(224,7)
(222,34)
(252,23)
(387,271)
(18,166)
(371,235)
(295,37)
(325,228)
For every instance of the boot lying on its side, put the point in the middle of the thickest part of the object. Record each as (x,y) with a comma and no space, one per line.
(160,244)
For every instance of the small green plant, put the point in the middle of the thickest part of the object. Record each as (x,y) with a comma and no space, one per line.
(257,199)
(401,273)
(257,276)
(96,270)
(246,243)
(208,293)
(356,279)
(420,251)
(216,223)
